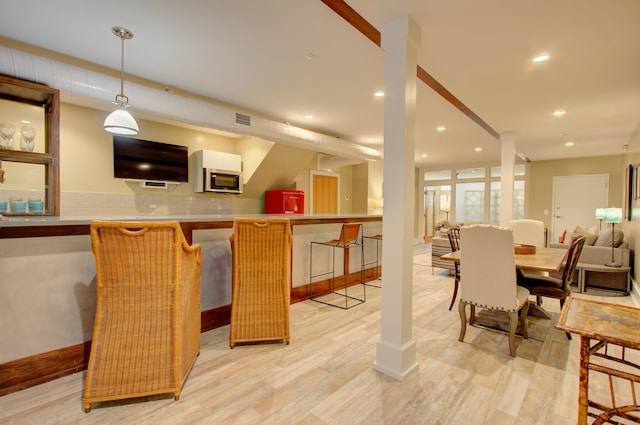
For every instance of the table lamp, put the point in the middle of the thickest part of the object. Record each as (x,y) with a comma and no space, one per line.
(613,216)
(444,206)
(600,216)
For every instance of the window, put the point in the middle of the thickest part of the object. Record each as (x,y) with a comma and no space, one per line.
(518,201)
(470,173)
(470,202)
(473,195)
(438,175)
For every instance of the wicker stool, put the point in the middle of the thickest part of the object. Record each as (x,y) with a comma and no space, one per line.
(349,238)
(261,280)
(377,239)
(146,334)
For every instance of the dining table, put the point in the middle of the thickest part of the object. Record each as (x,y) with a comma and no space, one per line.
(540,259)
(543,259)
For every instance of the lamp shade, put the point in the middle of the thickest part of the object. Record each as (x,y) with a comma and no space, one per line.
(121,122)
(600,213)
(613,215)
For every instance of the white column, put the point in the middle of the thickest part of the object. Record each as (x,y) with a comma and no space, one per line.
(507,162)
(396,351)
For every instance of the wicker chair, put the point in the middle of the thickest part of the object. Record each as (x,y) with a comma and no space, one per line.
(261,280)
(146,334)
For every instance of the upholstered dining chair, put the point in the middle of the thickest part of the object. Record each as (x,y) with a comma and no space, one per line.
(528,232)
(146,334)
(554,287)
(261,280)
(488,278)
(454,241)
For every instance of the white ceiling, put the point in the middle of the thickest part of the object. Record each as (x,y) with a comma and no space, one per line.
(255,54)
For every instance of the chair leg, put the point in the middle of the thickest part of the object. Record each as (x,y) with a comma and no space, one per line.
(472,316)
(562,305)
(513,324)
(524,312)
(455,293)
(463,319)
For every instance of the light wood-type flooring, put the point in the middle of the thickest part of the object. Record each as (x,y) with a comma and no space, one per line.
(325,376)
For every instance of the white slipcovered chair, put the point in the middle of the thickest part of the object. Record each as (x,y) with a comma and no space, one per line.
(528,232)
(488,277)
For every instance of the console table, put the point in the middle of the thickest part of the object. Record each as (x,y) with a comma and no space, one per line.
(601,325)
(585,270)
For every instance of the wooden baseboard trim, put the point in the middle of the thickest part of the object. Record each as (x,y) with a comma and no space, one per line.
(20,374)
(30,371)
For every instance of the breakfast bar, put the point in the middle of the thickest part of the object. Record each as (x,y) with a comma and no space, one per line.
(48,286)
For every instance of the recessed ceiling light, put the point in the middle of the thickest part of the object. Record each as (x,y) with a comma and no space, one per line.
(308,116)
(379,94)
(25,121)
(310,56)
(441,128)
(559,113)
(569,144)
(541,58)
(478,149)
(424,155)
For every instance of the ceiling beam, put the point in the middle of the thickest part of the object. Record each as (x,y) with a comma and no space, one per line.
(372,33)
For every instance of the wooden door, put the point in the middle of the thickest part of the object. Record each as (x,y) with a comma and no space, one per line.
(325,194)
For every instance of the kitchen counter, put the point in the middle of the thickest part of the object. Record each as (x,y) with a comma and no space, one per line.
(48,286)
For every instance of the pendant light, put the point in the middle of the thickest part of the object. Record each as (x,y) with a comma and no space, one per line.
(120,121)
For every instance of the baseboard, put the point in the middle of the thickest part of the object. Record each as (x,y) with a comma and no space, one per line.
(34,370)
(23,373)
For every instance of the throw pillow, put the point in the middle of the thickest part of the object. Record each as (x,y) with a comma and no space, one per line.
(604,239)
(563,236)
(590,238)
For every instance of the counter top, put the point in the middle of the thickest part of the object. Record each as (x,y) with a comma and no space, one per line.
(20,221)
(41,226)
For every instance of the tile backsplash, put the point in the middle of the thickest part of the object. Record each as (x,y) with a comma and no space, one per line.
(134,204)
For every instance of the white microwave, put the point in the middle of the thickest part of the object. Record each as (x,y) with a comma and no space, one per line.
(222,181)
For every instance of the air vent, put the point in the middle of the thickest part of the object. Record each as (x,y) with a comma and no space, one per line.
(243,119)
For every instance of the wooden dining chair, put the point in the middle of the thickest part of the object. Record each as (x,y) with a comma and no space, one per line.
(454,241)
(554,287)
(488,278)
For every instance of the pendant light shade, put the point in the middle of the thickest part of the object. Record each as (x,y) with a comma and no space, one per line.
(120,121)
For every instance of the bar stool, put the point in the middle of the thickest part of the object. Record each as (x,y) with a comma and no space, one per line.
(349,238)
(377,239)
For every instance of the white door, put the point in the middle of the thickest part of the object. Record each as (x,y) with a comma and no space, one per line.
(575,199)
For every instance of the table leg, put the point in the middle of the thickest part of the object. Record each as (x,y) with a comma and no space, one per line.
(583,391)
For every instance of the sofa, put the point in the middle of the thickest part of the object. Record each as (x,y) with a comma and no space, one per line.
(591,271)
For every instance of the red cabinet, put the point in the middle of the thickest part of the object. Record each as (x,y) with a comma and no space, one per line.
(284,202)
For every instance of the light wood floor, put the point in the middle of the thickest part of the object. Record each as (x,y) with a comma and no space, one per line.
(326,377)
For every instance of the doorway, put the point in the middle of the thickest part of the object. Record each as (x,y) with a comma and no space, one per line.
(575,199)
(437,204)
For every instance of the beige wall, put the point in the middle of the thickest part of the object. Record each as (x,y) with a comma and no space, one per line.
(632,228)
(540,190)
(87,161)
(86,150)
